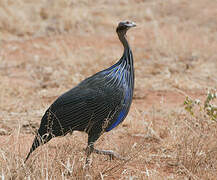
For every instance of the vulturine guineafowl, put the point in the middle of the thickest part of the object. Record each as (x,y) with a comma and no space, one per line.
(96,105)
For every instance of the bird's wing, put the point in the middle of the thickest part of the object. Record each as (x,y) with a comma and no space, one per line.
(80,108)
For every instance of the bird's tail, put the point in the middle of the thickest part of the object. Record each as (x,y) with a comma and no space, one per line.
(39,140)
(43,135)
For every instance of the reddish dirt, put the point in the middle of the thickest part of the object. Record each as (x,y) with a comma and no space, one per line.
(17,52)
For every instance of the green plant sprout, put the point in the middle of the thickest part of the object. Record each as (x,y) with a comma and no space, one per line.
(208,107)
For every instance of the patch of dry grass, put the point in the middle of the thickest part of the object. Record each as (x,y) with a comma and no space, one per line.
(177,147)
(48,47)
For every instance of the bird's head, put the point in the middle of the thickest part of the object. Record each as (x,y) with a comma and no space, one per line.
(124,26)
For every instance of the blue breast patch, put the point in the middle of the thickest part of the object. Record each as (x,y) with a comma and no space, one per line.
(122,76)
(119,119)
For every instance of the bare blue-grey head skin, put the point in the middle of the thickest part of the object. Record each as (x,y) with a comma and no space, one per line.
(96,105)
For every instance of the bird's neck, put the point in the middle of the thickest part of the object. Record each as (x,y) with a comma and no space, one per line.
(127,57)
(124,41)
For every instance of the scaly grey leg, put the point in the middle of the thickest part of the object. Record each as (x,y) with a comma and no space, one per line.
(112,155)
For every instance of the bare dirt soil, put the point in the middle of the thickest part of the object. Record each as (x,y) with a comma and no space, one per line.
(49,47)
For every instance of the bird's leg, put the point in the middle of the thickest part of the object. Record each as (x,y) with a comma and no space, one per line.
(92,137)
(112,155)
(89,150)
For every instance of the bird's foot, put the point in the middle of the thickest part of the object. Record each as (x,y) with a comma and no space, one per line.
(87,164)
(112,155)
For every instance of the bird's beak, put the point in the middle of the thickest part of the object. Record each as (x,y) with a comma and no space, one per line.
(133,24)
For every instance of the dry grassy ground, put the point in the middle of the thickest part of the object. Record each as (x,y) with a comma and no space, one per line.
(47,47)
